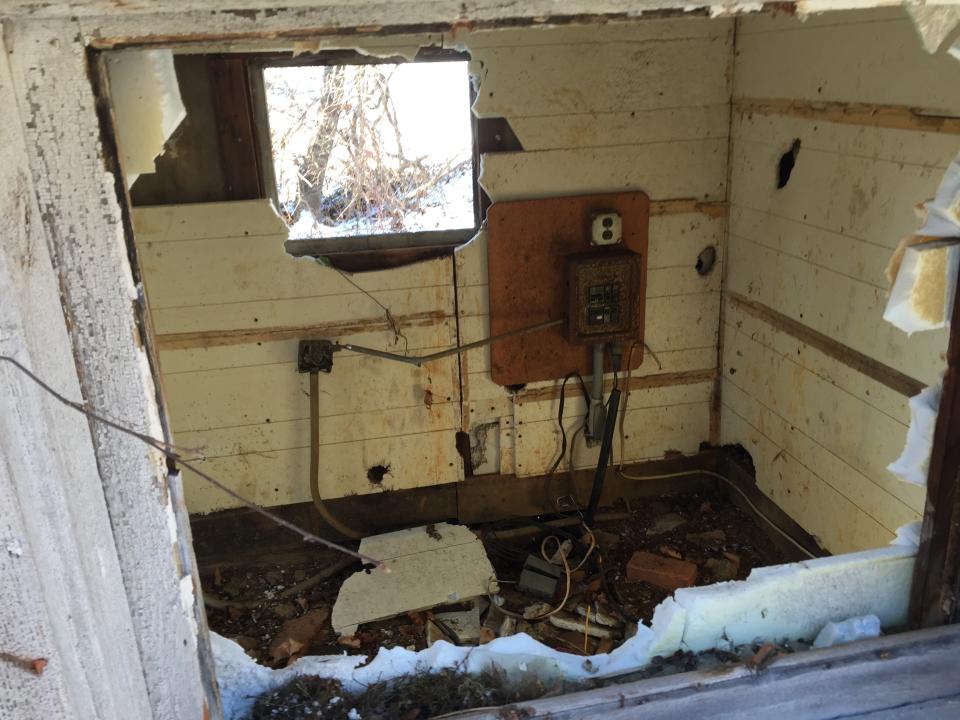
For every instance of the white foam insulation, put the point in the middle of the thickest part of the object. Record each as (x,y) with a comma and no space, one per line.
(924,268)
(914,462)
(147,104)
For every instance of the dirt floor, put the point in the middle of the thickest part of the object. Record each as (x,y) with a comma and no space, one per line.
(277,607)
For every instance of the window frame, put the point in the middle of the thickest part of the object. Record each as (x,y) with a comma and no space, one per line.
(385,249)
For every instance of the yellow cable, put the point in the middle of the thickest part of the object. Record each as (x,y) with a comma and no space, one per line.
(315,463)
(710,473)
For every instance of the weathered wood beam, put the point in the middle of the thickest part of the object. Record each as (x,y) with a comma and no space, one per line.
(872,368)
(233,106)
(935,598)
(884,678)
(78,193)
(892,117)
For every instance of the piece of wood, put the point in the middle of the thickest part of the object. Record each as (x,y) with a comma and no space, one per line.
(530,397)
(676,169)
(590,129)
(885,677)
(808,296)
(207,339)
(91,257)
(239,155)
(652,29)
(664,572)
(522,81)
(935,599)
(528,242)
(63,596)
(892,378)
(882,61)
(894,117)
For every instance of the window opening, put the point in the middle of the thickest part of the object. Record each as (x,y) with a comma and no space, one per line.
(371,149)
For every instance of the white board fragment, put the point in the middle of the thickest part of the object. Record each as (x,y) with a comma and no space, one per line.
(429,566)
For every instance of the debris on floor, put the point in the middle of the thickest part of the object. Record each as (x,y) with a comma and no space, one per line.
(785,606)
(441,585)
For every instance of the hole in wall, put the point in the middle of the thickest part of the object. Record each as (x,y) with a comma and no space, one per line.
(787,162)
(376,473)
(515,388)
(706,260)
(463,449)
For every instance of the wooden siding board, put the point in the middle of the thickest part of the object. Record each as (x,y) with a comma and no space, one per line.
(611,76)
(822,511)
(684,168)
(865,438)
(882,61)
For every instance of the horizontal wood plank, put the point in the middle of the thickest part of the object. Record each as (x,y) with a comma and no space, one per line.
(878,59)
(612,76)
(672,169)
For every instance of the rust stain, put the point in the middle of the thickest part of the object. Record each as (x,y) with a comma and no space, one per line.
(682,206)
(687,377)
(223,338)
(894,117)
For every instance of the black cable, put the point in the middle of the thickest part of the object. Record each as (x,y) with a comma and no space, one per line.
(563,432)
(613,599)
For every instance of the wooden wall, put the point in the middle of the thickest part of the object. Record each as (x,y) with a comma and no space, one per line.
(815,383)
(633,106)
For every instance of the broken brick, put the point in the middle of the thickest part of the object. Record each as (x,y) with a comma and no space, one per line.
(666,573)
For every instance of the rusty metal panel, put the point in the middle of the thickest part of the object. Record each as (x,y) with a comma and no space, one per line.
(528,245)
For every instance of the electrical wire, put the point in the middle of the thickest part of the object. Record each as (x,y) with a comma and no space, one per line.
(566,570)
(318,502)
(688,473)
(563,431)
(730,483)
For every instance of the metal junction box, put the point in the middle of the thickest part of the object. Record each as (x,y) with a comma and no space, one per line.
(604,297)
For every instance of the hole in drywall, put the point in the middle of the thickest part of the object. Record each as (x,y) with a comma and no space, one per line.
(787,161)
(516,387)
(376,473)
(706,260)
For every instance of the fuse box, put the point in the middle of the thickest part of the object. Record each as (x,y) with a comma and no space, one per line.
(604,297)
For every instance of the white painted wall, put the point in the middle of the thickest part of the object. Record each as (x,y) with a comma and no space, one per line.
(598,109)
(821,434)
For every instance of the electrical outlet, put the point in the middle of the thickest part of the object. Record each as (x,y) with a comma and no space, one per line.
(606,228)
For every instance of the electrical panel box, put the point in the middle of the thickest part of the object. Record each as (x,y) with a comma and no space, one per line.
(604,297)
